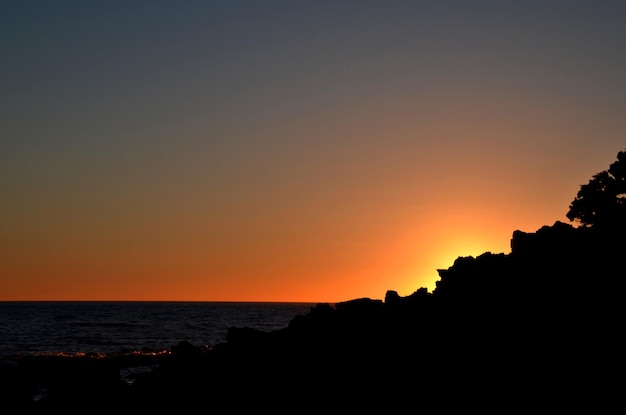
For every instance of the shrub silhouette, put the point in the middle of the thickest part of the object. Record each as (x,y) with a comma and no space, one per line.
(601,203)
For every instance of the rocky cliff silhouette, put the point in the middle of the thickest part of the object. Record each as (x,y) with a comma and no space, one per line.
(539,328)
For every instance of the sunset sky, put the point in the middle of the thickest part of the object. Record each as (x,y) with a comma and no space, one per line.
(314,151)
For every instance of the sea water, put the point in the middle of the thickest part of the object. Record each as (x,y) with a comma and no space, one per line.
(121,327)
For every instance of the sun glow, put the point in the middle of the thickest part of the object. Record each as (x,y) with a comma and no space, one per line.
(444,250)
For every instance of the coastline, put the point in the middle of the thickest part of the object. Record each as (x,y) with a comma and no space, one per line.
(486,337)
(123,327)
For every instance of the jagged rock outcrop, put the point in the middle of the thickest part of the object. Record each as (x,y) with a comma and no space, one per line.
(538,326)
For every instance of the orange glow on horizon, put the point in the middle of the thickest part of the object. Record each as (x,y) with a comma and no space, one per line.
(309,153)
(404,263)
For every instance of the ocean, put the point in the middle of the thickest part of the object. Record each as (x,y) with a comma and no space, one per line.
(106,328)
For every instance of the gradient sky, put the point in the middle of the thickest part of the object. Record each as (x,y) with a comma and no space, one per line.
(292,150)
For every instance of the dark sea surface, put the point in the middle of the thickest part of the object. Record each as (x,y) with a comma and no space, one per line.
(121,327)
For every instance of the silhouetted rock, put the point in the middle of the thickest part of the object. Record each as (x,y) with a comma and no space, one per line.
(539,326)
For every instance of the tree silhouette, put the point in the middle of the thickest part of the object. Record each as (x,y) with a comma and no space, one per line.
(601,203)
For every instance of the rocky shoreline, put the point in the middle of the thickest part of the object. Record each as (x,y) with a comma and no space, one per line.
(540,325)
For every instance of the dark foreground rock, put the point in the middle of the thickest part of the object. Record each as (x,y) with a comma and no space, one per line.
(537,329)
